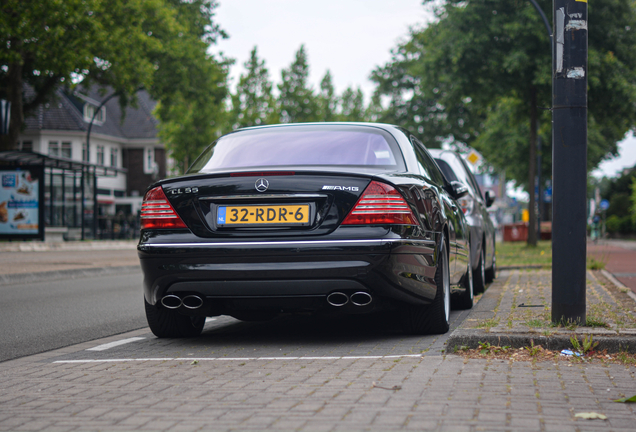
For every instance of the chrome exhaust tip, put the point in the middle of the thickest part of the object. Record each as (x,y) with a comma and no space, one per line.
(192,302)
(361,298)
(171,301)
(337,299)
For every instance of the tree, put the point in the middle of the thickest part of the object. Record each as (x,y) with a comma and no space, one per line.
(327,99)
(479,75)
(352,105)
(159,45)
(253,103)
(296,99)
(192,118)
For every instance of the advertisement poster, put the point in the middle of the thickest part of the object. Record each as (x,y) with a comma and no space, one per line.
(20,193)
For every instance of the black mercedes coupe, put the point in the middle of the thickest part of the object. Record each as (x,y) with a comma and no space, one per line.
(301,218)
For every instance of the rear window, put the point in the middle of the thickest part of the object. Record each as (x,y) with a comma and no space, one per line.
(302,146)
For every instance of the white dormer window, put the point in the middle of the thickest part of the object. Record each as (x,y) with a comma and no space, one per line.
(89,111)
(149,160)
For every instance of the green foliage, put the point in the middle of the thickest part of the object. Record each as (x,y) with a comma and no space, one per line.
(297,100)
(520,254)
(633,200)
(472,76)
(532,349)
(352,105)
(595,264)
(585,346)
(327,99)
(592,321)
(122,45)
(487,348)
(627,400)
(621,194)
(253,103)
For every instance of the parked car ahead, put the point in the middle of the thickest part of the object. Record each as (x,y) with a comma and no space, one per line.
(349,217)
(475,207)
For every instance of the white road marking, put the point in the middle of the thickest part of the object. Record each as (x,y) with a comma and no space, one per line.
(200,359)
(114,344)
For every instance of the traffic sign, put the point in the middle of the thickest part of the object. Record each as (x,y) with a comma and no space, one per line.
(604,204)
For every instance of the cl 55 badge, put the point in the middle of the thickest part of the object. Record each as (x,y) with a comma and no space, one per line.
(343,188)
(184,190)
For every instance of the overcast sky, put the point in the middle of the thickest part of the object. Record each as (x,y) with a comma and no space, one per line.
(348,37)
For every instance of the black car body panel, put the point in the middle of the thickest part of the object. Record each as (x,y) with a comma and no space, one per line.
(482,229)
(280,265)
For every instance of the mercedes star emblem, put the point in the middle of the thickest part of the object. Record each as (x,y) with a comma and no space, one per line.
(261,185)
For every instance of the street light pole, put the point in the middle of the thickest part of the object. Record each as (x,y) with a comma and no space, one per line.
(569,160)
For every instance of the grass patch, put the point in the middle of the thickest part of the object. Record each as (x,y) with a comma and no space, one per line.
(520,254)
(488,324)
(595,264)
(537,323)
(592,321)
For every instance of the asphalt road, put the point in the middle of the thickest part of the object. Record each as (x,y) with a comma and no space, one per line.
(45,315)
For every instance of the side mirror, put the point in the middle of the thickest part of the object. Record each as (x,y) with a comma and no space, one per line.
(458,189)
(490,198)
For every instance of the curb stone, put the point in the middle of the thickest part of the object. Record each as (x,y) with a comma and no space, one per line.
(492,303)
(471,338)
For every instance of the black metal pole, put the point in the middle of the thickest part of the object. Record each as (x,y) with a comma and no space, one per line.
(83,205)
(95,203)
(539,199)
(63,197)
(569,161)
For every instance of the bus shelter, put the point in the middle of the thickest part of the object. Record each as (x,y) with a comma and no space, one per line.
(48,191)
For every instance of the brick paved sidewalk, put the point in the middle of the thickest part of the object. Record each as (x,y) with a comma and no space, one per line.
(440,393)
(515,310)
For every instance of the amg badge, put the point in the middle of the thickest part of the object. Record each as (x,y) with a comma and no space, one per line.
(343,188)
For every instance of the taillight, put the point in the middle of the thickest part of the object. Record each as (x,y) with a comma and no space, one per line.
(380,204)
(466,203)
(157,213)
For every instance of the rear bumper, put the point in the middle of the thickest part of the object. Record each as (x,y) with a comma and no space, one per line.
(291,272)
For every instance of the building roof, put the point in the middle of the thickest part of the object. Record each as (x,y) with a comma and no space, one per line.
(65,112)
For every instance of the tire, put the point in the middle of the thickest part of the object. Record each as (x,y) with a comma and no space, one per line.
(479,275)
(166,323)
(433,318)
(465,300)
(491,273)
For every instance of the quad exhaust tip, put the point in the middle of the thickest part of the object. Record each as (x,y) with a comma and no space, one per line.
(361,298)
(192,302)
(339,299)
(172,301)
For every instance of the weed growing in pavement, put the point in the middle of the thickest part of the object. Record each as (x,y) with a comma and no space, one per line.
(532,349)
(536,323)
(488,324)
(537,353)
(487,348)
(625,358)
(586,345)
(594,264)
(592,321)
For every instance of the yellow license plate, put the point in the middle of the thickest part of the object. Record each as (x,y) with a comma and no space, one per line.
(292,214)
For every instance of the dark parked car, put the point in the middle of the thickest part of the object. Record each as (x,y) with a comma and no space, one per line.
(475,207)
(348,217)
